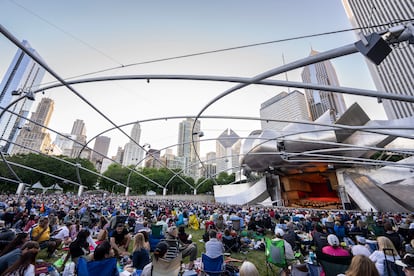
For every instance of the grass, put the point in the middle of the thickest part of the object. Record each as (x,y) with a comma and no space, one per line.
(257,257)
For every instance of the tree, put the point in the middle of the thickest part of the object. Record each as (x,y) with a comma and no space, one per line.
(46,167)
(117,173)
(224,178)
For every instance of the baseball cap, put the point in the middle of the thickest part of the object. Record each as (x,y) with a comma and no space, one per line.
(161,248)
(171,229)
(407,261)
(279,232)
(333,240)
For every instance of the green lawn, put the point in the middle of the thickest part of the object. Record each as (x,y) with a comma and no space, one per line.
(255,256)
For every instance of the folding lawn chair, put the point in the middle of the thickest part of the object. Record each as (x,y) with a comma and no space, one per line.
(212,266)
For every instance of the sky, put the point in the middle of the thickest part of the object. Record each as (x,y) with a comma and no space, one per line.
(79,38)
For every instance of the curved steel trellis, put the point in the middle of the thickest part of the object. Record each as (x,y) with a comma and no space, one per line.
(346,50)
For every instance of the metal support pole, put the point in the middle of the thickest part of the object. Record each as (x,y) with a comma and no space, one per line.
(80,190)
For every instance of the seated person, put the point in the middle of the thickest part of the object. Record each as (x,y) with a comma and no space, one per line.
(361,265)
(289,254)
(140,254)
(159,252)
(79,247)
(407,263)
(360,229)
(319,237)
(103,251)
(62,235)
(120,239)
(103,262)
(193,221)
(379,256)
(248,269)
(229,241)
(10,258)
(163,221)
(17,242)
(183,236)
(220,223)
(360,248)
(334,248)
(291,237)
(175,246)
(41,234)
(396,239)
(214,247)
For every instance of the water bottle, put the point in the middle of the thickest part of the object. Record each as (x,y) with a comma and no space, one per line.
(311,257)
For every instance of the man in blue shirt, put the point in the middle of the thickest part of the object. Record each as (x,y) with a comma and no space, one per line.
(214,247)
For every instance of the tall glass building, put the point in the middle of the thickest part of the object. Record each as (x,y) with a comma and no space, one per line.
(321,101)
(284,106)
(188,149)
(23,74)
(395,73)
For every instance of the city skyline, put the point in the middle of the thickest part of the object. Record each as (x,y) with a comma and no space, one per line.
(78,48)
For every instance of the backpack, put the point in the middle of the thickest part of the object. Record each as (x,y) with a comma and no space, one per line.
(390,267)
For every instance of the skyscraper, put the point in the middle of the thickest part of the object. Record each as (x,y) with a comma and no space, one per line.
(321,101)
(79,131)
(100,148)
(133,154)
(186,148)
(395,73)
(228,152)
(284,106)
(33,136)
(22,75)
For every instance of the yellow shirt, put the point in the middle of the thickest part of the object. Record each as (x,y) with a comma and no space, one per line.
(45,236)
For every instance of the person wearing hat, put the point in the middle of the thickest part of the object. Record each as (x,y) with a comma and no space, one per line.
(279,233)
(360,248)
(159,252)
(334,248)
(176,246)
(407,263)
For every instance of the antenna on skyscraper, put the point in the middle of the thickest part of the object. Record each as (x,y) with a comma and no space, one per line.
(286,75)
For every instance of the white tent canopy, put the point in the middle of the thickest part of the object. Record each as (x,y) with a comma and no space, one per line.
(54,187)
(37,185)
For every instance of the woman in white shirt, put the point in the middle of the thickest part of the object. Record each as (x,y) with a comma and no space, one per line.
(378,256)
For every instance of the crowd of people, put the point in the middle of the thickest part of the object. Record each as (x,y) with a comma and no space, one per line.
(100,227)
